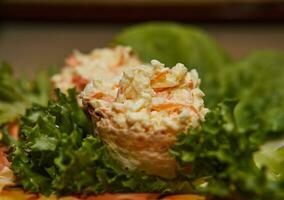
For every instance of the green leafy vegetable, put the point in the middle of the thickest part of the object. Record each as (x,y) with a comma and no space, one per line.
(17,95)
(58,152)
(271,155)
(257,82)
(219,159)
(172,43)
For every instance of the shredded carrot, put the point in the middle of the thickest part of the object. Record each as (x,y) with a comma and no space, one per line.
(72,61)
(103,96)
(190,85)
(174,106)
(159,77)
(115,86)
(157,90)
(193,109)
(167,106)
(79,82)
(120,62)
(13,129)
(99,95)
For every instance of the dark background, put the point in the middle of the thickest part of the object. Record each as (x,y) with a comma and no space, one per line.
(39,33)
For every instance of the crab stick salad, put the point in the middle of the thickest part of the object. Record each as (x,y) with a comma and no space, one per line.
(142,118)
(101,64)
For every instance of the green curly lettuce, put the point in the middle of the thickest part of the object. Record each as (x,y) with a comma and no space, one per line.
(16,95)
(219,159)
(257,80)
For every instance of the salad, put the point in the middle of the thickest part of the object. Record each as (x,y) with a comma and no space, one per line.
(162,112)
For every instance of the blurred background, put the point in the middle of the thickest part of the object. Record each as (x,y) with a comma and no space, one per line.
(36,34)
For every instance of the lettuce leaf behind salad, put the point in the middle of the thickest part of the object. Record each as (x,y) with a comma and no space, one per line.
(58,152)
(17,95)
(173,43)
(257,81)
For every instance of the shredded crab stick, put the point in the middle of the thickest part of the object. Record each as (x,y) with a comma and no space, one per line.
(141,120)
(101,64)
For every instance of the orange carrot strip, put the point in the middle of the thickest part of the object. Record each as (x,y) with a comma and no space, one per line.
(72,61)
(103,96)
(190,85)
(159,77)
(157,90)
(171,106)
(167,106)
(13,129)
(116,86)
(80,82)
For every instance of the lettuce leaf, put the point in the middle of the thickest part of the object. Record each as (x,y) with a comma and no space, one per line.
(17,95)
(257,81)
(59,152)
(172,43)
(271,156)
(219,159)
